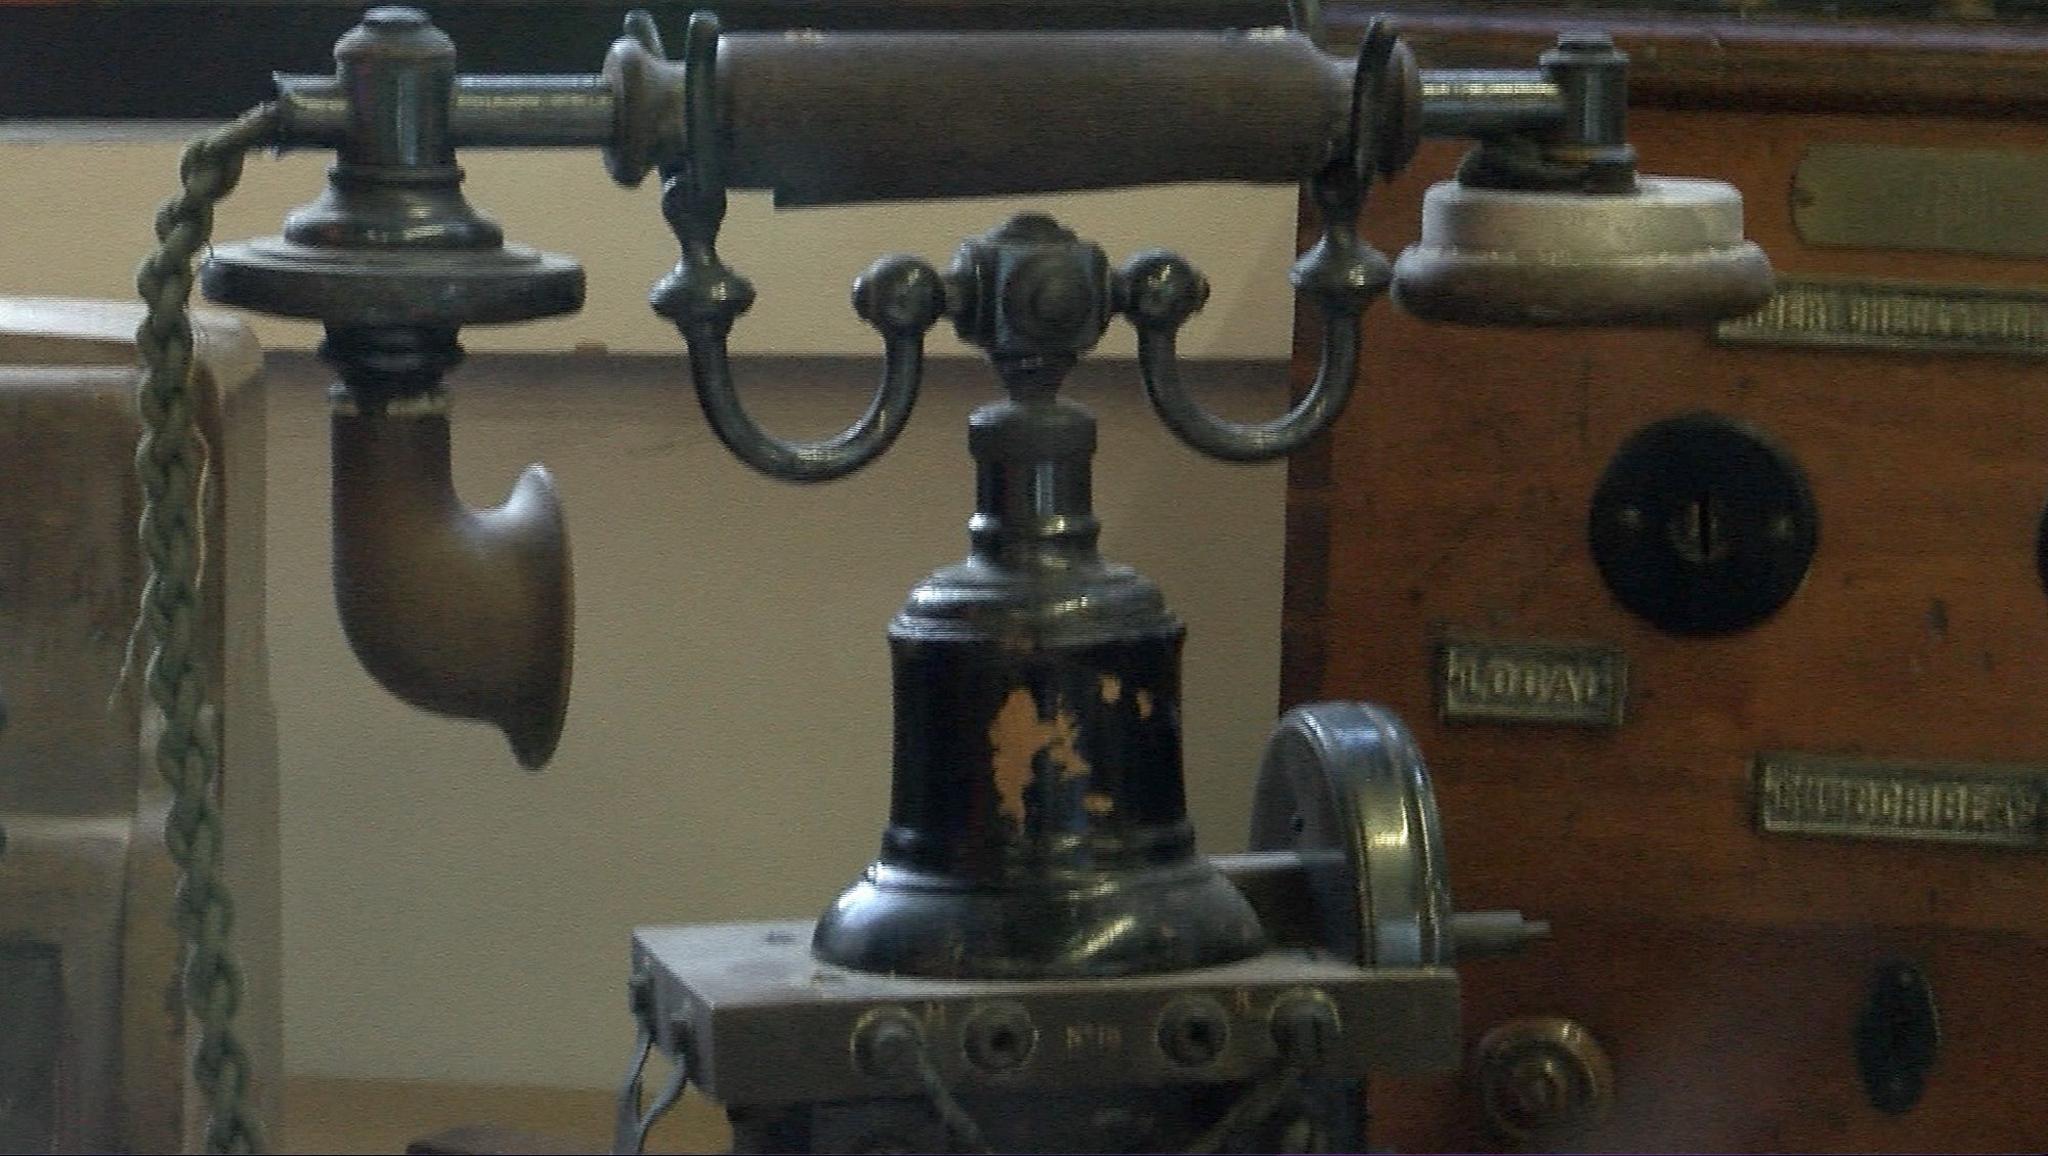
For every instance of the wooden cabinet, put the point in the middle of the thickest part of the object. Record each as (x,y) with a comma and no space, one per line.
(92,1039)
(1725,970)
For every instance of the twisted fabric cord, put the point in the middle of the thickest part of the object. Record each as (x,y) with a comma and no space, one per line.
(171,462)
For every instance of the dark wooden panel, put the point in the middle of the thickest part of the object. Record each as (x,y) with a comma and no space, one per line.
(1728,1038)
(1723,966)
(1800,56)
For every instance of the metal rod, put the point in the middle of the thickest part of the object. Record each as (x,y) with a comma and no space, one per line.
(1466,102)
(532,111)
(569,111)
(835,117)
(830,118)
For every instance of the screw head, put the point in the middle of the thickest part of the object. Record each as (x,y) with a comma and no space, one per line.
(1193,1031)
(1305,1028)
(886,1043)
(999,1037)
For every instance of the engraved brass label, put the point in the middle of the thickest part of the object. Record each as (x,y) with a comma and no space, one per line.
(1947,200)
(1897,316)
(1531,682)
(1926,802)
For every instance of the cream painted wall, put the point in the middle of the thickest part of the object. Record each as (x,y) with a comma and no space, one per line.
(449,917)
(80,217)
(727,750)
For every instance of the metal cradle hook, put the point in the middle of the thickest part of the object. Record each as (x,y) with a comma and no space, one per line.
(703,297)
(1342,274)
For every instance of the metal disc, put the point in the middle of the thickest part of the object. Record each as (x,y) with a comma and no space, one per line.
(1670,253)
(393,286)
(1343,783)
(1703,525)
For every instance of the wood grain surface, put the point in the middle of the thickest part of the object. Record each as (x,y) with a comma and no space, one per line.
(1723,968)
(1862,57)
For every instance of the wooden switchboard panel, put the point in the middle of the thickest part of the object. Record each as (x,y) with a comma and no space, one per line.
(1728,970)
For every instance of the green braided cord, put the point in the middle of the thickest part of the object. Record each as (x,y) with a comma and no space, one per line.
(171,462)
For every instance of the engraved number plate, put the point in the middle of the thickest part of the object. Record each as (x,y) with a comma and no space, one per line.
(1897,316)
(1927,802)
(1531,682)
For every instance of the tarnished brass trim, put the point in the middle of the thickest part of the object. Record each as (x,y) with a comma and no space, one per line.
(1918,801)
(1542,1079)
(1531,682)
(1897,316)
(1865,196)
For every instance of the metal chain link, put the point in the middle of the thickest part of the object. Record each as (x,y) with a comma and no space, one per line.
(171,462)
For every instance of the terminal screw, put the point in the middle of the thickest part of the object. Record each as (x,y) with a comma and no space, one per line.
(886,1044)
(999,1037)
(1193,1030)
(1305,1028)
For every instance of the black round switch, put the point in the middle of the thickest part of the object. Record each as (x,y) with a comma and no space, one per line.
(1702,525)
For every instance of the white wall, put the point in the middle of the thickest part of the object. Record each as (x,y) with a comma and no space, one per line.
(80,219)
(449,917)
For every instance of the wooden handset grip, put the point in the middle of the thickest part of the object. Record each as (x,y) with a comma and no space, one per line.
(834,118)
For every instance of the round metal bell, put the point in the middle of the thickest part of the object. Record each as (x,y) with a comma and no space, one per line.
(1343,784)
(1669,253)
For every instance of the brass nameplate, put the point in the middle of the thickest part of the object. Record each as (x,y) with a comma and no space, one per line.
(1531,682)
(1926,802)
(1864,196)
(1897,316)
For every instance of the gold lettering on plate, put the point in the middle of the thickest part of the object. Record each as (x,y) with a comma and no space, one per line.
(1997,805)
(1539,682)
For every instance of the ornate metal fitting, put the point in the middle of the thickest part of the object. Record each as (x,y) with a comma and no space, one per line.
(648,91)
(397,183)
(1592,75)
(1586,149)
(1036,667)
(392,241)
(901,296)
(394,261)
(1032,295)
(1341,273)
(702,290)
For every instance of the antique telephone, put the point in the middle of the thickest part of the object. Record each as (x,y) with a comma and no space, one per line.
(1039,959)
